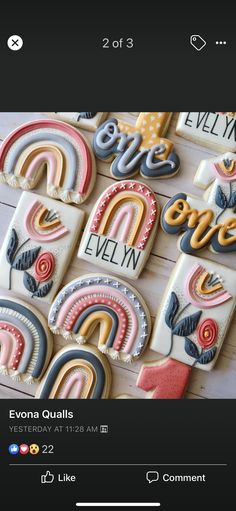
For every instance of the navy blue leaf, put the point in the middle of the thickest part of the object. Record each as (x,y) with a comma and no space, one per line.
(232,201)
(187,325)
(220,198)
(12,246)
(25,260)
(207,356)
(191,348)
(171,309)
(44,290)
(29,282)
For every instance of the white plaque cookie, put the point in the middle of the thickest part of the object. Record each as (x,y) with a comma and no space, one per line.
(121,229)
(38,246)
(195,312)
(216,130)
(85,120)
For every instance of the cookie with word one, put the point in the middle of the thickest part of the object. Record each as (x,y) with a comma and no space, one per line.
(26,342)
(121,229)
(195,312)
(53,148)
(85,120)
(76,372)
(202,224)
(137,148)
(38,246)
(216,130)
(218,177)
(115,306)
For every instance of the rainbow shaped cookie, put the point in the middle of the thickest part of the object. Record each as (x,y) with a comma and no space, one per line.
(120,311)
(51,147)
(26,342)
(76,372)
(121,228)
(38,246)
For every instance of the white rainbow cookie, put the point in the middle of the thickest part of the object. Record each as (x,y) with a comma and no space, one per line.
(76,372)
(38,246)
(195,312)
(85,120)
(51,147)
(140,147)
(121,229)
(26,342)
(117,307)
(218,177)
(216,130)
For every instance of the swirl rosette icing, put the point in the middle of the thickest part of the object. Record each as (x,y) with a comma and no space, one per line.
(207,333)
(44,266)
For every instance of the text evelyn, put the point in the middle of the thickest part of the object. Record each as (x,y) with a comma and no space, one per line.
(112,251)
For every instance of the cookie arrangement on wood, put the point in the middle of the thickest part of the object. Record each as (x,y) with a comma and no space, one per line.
(199,301)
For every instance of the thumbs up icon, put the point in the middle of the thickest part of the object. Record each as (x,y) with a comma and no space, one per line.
(47,478)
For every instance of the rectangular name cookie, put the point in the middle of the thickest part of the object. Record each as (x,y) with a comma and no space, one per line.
(216,130)
(85,120)
(38,246)
(195,312)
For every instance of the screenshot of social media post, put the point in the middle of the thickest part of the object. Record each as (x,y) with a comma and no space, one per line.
(117,256)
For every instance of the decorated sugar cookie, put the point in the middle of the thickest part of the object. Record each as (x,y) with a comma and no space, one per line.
(85,120)
(26,342)
(216,130)
(38,246)
(101,299)
(137,148)
(203,224)
(218,177)
(164,379)
(51,147)
(121,229)
(76,372)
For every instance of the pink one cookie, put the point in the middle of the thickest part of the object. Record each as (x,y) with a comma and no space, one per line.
(166,380)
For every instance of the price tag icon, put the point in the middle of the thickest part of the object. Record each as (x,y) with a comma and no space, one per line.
(197,42)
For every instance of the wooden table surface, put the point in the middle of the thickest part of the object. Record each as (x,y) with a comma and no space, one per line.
(219,383)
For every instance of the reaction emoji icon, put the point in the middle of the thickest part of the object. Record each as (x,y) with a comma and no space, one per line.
(38,246)
(24,449)
(137,148)
(121,228)
(53,147)
(13,449)
(190,326)
(76,372)
(97,299)
(216,130)
(26,342)
(34,449)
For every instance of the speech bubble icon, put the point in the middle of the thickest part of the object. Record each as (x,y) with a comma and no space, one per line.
(152,476)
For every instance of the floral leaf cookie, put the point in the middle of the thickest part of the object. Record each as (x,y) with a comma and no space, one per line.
(52,147)
(140,147)
(85,120)
(216,130)
(117,307)
(38,246)
(26,342)
(76,372)
(191,324)
(121,228)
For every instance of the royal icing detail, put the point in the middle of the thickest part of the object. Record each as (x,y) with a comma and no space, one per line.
(140,147)
(121,228)
(212,129)
(38,246)
(100,299)
(195,313)
(26,343)
(165,379)
(54,147)
(76,372)
(85,120)
(218,177)
(201,226)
